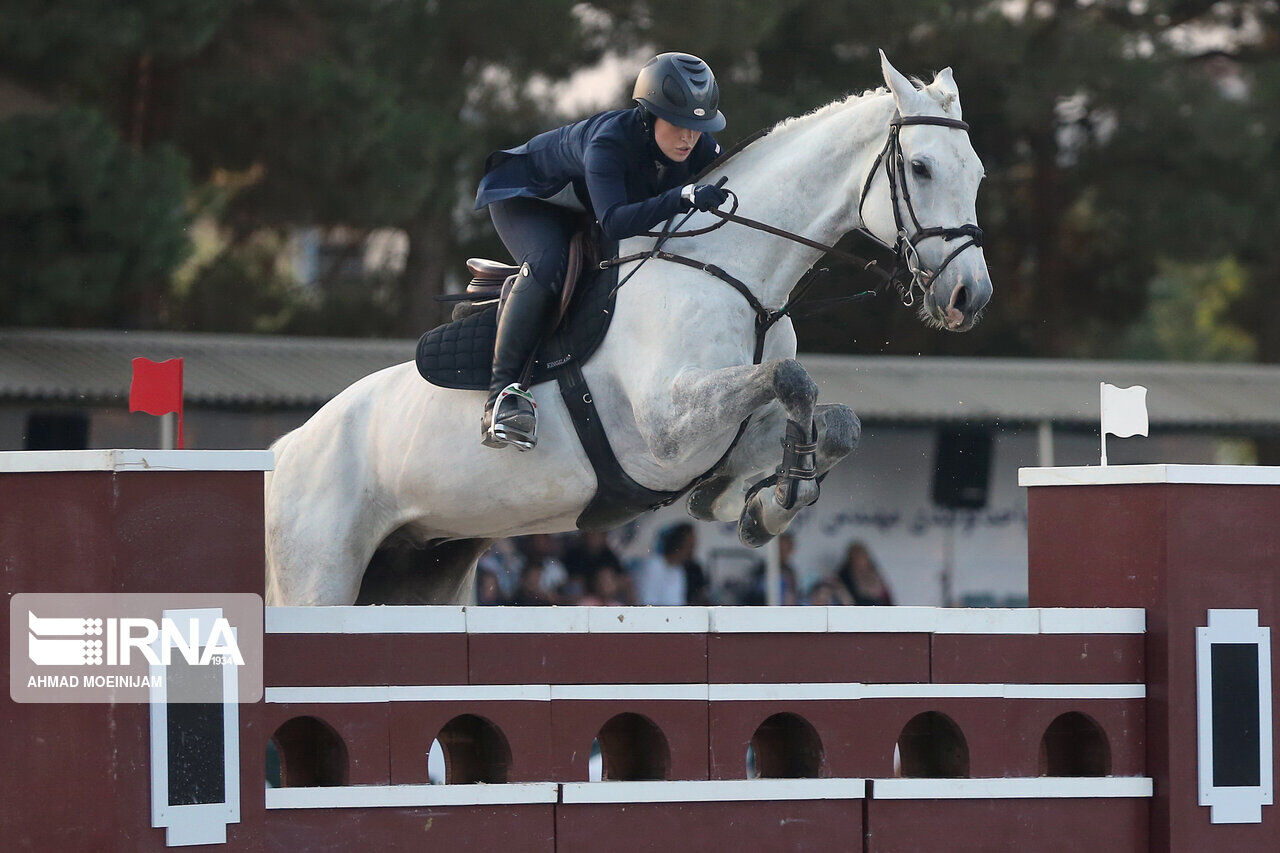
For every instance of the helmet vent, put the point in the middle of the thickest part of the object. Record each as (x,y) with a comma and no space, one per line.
(673,92)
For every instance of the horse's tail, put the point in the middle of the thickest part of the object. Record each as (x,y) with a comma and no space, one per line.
(278,449)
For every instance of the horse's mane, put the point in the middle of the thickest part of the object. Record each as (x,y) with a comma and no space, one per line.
(791,123)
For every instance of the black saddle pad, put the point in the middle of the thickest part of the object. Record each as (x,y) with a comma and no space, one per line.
(460,354)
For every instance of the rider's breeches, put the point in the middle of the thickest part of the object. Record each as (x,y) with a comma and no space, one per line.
(538,234)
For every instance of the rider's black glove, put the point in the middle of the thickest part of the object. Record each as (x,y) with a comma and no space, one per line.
(704,197)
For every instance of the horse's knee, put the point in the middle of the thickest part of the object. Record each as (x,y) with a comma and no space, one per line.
(796,390)
(839,432)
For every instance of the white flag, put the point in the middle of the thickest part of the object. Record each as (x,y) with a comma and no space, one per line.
(1124,411)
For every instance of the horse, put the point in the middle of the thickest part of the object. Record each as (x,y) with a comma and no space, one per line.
(394,464)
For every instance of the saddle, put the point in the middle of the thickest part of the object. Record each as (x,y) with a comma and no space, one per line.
(460,354)
(492,280)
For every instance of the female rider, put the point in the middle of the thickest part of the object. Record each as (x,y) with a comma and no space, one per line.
(631,168)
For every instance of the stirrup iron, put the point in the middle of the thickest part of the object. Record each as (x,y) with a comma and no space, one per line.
(501,434)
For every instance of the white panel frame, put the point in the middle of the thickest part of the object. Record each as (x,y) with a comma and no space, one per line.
(1241,804)
(714,791)
(445,619)
(818,691)
(648,620)
(1124,475)
(384,619)
(757,620)
(411,796)
(203,823)
(1014,788)
(49,461)
(526,620)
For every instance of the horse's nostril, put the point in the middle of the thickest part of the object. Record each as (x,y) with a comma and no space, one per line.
(961,299)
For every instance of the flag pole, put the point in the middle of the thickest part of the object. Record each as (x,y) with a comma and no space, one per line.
(1102,423)
(166,431)
(181,404)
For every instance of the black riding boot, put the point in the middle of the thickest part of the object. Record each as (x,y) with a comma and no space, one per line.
(520,325)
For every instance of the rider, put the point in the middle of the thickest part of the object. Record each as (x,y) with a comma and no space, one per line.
(631,168)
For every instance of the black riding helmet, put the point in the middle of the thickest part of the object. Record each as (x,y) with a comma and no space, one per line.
(680,88)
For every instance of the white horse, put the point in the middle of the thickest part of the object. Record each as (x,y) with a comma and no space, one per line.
(394,460)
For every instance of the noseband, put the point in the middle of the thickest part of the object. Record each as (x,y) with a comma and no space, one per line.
(906,246)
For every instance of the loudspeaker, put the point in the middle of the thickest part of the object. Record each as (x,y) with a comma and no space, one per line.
(962,468)
(57,431)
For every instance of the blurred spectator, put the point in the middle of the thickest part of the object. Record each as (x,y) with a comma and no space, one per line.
(662,578)
(488,590)
(697,589)
(589,551)
(824,593)
(605,588)
(531,591)
(504,561)
(788,584)
(860,577)
(544,549)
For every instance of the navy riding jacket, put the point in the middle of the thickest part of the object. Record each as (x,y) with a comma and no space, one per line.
(613,164)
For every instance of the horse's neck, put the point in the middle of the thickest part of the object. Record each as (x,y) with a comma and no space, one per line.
(805,178)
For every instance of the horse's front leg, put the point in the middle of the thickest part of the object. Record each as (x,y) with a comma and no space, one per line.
(766,512)
(705,403)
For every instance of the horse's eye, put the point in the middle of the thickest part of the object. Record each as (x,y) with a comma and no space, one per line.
(920,169)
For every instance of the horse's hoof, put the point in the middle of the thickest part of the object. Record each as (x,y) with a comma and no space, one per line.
(751,529)
(702,499)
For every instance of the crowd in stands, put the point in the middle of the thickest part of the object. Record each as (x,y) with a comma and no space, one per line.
(583,569)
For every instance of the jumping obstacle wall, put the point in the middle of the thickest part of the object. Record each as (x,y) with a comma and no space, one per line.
(1019,703)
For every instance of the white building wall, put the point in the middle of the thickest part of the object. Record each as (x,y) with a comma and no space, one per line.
(881,495)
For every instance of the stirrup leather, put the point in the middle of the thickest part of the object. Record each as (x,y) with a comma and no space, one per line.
(500,434)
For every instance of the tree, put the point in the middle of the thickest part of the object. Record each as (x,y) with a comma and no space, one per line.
(367,116)
(89,228)
(1102,143)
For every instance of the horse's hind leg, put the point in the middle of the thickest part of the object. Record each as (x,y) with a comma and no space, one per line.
(784,380)
(765,512)
(410,573)
(720,497)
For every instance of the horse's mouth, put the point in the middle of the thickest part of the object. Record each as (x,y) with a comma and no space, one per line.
(953,316)
(956,316)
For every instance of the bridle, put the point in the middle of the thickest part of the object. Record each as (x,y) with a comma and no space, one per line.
(906,246)
(897,264)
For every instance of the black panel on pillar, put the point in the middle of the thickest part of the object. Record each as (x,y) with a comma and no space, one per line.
(962,467)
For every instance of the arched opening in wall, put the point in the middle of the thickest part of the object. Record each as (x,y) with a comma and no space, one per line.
(474,750)
(1075,745)
(932,746)
(310,754)
(785,746)
(632,747)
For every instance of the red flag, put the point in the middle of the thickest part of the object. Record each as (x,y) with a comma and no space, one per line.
(157,388)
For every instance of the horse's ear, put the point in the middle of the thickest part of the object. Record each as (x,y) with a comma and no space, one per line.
(945,90)
(904,91)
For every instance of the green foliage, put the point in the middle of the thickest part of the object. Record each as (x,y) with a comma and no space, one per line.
(1188,315)
(1121,172)
(89,229)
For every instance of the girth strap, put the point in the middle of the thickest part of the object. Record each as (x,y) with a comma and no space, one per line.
(618,497)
